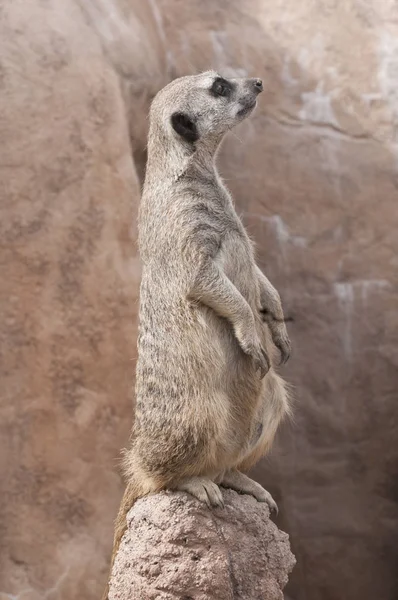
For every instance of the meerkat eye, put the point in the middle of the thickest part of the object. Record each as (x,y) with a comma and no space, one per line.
(221,87)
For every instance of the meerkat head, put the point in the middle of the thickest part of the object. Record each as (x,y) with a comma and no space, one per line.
(202,108)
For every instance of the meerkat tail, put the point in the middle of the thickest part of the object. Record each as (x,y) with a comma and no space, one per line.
(131,494)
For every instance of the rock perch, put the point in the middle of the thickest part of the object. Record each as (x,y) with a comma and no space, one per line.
(176,548)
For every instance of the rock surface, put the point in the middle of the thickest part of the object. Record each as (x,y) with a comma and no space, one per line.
(315,175)
(175,547)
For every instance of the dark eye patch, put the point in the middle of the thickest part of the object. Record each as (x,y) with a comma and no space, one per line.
(221,88)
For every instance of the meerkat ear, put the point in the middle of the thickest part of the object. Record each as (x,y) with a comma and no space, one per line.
(185,127)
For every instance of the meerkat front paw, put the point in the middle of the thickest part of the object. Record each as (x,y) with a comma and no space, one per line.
(244,485)
(203,489)
(279,334)
(251,345)
(282,342)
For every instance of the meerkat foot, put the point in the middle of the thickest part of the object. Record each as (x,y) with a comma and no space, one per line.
(244,485)
(203,489)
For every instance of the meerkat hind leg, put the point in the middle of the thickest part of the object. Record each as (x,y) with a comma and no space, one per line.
(203,489)
(243,484)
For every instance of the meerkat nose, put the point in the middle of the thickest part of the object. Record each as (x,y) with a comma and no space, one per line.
(258,85)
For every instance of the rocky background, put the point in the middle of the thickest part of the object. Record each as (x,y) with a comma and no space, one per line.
(315,176)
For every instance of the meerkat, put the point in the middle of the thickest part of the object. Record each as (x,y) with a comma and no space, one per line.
(208,400)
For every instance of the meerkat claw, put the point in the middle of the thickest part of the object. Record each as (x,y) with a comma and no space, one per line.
(262,363)
(267,362)
(244,485)
(203,489)
(262,495)
(284,349)
(272,506)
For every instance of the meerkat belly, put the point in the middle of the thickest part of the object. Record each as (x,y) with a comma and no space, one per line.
(272,409)
(191,381)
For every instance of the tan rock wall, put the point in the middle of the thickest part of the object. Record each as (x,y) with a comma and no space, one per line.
(68,295)
(315,176)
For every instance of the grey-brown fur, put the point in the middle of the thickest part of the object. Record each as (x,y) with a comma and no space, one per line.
(208,399)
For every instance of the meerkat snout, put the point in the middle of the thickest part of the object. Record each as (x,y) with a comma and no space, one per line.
(248,98)
(258,85)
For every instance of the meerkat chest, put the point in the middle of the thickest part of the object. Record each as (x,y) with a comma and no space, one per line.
(237,259)
(236,252)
